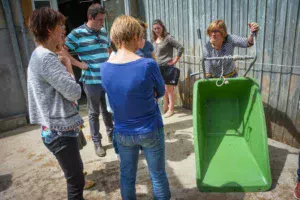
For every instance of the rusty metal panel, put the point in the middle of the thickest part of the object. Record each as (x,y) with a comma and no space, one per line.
(280,22)
(261,19)
(289,41)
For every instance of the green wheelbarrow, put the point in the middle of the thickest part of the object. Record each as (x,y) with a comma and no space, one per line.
(230,136)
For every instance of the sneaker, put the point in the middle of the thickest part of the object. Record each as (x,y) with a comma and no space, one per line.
(88,184)
(297,191)
(100,151)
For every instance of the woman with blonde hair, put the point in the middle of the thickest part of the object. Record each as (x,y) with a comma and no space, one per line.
(221,44)
(133,84)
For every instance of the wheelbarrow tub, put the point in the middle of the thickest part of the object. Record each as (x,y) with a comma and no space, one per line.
(230,137)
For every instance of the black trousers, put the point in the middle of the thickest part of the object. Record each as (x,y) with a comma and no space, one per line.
(66,151)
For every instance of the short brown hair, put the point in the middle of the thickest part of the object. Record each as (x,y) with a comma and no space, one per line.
(123,29)
(143,24)
(219,24)
(94,10)
(42,20)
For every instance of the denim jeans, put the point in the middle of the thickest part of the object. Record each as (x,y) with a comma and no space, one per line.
(153,145)
(66,151)
(96,103)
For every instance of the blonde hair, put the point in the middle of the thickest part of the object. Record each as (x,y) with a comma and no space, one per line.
(219,24)
(124,29)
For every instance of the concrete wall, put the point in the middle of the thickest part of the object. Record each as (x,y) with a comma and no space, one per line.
(12,102)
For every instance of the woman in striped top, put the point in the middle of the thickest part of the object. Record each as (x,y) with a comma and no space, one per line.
(221,44)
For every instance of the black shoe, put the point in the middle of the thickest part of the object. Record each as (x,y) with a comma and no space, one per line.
(100,151)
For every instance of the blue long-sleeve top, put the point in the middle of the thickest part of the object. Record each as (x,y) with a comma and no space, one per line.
(130,88)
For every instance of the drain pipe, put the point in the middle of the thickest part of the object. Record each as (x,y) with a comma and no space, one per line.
(23,30)
(15,45)
(127,7)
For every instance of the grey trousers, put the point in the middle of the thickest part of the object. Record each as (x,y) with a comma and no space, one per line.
(96,104)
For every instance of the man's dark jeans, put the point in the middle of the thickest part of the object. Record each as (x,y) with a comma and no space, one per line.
(96,103)
(298,171)
(66,151)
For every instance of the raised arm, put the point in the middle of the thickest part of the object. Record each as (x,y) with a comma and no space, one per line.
(254,28)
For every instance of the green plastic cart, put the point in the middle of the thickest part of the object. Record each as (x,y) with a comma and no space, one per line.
(230,135)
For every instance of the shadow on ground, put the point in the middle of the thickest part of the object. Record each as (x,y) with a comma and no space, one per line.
(18,131)
(5,181)
(278,159)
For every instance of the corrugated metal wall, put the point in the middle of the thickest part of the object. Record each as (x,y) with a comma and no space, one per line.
(278,50)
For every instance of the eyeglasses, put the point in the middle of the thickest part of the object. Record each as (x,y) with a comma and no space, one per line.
(63,27)
(215,31)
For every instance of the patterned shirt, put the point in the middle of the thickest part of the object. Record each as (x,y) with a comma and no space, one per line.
(91,48)
(214,67)
(49,135)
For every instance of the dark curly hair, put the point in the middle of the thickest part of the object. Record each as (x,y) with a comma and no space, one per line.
(43,20)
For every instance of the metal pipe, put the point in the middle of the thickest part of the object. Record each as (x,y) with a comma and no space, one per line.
(23,30)
(231,58)
(127,7)
(201,55)
(195,73)
(105,23)
(15,45)
(255,55)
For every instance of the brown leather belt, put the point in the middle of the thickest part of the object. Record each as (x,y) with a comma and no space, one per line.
(230,74)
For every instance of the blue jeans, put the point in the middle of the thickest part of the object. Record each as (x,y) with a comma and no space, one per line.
(153,145)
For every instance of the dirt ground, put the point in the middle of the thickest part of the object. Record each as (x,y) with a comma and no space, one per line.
(29,171)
